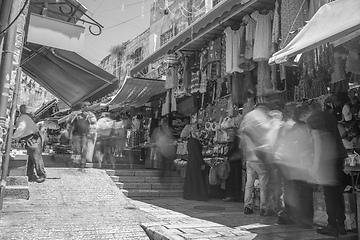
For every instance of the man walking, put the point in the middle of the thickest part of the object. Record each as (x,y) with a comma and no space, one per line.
(27,130)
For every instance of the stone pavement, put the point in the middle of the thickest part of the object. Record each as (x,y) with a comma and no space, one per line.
(72,204)
(86,204)
(209,219)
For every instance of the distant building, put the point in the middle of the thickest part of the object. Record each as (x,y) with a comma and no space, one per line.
(167,19)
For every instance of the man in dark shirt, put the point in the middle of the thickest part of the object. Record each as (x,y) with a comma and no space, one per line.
(27,130)
(329,154)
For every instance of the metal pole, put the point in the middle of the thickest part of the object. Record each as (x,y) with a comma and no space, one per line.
(7,63)
(6,68)
(9,136)
(5,9)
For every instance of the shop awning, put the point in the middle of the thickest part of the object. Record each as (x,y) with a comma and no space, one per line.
(136,92)
(67,75)
(206,28)
(45,108)
(330,23)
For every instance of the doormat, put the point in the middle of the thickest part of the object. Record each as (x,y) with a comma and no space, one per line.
(210,208)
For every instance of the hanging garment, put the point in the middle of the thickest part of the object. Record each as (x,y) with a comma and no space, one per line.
(204,80)
(249,36)
(214,53)
(339,73)
(318,88)
(232,41)
(236,82)
(229,34)
(170,77)
(195,82)
(275,37)
(187,73)
(353,62)
(262,44)
(173,102)
(293,16)
(166,106)
(264,84)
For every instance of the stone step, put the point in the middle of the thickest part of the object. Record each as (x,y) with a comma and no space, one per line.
(137,193)
(121,166)
(153,186)
(17,192)
(120,185)
(152,179)
(17,181)
(145,172)
(125,192)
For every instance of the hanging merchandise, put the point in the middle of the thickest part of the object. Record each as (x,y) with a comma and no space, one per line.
(353,62)
(173,102)
(171,77)
(262,44)
(249,36)
(264,85)
(275,37)
(339,73)
(214,53)
(233,42)
(166,105)
(186,73)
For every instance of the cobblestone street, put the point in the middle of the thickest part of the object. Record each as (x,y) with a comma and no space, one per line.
(72,204)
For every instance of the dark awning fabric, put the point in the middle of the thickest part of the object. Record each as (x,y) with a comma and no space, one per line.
(330,23)
(206,28)
(136,92)
(67,75)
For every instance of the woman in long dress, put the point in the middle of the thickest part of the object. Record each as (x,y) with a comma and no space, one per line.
(195,187)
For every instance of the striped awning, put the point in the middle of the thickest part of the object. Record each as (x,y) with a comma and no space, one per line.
(136,92)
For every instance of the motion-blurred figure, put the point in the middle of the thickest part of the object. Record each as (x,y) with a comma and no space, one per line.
(165,148)
(254,127)
(327,167)
(81,128)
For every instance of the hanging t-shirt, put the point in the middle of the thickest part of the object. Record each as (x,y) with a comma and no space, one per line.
(262,44)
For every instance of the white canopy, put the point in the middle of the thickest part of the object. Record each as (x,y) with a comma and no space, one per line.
(330,23)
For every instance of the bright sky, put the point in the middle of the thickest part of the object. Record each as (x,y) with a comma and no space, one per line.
(122,20)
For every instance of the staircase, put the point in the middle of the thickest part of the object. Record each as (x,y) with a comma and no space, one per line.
(147,183)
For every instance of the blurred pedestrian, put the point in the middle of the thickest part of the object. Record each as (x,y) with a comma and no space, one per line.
(165,147)
(254,127)
(195,187)
(27,131)
(81,128)
(233,187)
(327,166)
(104,138)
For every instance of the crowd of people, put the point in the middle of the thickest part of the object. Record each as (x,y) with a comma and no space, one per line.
(290,154)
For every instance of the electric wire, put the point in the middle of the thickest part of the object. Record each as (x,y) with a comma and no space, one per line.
(15,19)
(128,5)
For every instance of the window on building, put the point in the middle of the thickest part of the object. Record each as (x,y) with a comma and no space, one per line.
(138,55)
(166,36)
